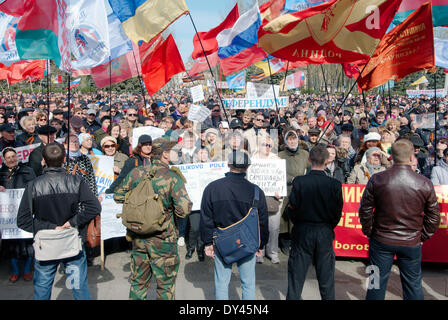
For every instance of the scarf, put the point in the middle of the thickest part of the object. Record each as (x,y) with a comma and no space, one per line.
(74,155)
(372,168)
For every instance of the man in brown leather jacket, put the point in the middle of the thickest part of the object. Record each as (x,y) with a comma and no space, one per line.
(398,212)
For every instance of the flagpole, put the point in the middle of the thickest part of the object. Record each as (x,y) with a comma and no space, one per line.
(325,82)
(48,92)
(68,121)
(435,118)
(343,101)
(140,80)
(110,92)
(364,102)
(390,102)
(210,68)
(273,90)
(286,74)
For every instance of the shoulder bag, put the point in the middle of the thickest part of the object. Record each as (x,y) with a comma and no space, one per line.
(52,244)
(240,239)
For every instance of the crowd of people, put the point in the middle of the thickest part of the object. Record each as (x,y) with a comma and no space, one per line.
(358,136)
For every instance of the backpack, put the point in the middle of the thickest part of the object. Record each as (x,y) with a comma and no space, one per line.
(143,211)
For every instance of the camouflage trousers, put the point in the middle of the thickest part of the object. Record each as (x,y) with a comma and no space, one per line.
(156,257)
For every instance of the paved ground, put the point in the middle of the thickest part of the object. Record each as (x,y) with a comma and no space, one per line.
(195,281)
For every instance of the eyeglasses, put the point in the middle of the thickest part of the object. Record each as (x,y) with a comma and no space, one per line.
(42,119)
(259,119)
(266,145)
(107,146)
(132,115)
(10,117)
(217,110)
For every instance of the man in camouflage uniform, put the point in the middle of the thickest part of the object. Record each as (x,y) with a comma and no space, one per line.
(157,254)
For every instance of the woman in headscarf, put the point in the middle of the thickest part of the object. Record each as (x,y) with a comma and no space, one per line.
(14,175)
(86,145)
(361,173)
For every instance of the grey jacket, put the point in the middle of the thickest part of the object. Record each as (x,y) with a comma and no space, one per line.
(439,174)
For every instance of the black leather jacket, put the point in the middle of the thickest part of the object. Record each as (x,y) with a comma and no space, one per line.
(57,198)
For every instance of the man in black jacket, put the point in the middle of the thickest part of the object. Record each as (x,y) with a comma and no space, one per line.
(315,208)
(225,202)
(59,201)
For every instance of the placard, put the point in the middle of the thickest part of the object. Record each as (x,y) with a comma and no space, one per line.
(198,176)
(103,167)
(154,132)
(197,93)
(111,226)
(269,175)
(198,113)
(261,90)
(9,207)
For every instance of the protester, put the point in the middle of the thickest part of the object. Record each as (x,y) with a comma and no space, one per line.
(361,173)
(46,134)
(395,225)
(296,165)
(157,254)
(225,202)
(55,198)
(333,170)
(141,156)
(14,175)
(109,147)
(86,145)
(274,205)
(29,135)
(315,208)
(439,174)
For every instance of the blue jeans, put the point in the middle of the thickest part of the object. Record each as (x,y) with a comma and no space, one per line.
(409,260)
(223,273)
(182,225)
(75,270)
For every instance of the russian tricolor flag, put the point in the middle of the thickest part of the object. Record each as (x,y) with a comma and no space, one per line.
(237,46)
(75,83)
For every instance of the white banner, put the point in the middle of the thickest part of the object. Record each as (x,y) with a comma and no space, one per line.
(429,93)
(198,176)
(197,93)
(235,103)
(219,84)
(269,175)
(154,132)
(198,113)
(103,166)
(111,226)
(9,207)
(261,91)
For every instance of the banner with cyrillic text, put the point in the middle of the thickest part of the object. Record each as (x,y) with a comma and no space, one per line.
(351,242)
(243,103)
(269,175)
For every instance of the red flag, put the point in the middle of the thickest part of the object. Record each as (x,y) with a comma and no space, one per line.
(351,70)
(118,70)
(333,32)
(163,64)
(408,48)
(208,39)
(201,64)
(23,70)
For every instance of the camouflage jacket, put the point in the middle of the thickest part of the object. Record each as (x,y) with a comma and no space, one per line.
(168,183)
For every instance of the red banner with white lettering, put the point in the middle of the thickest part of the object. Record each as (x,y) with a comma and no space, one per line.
(351,242)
